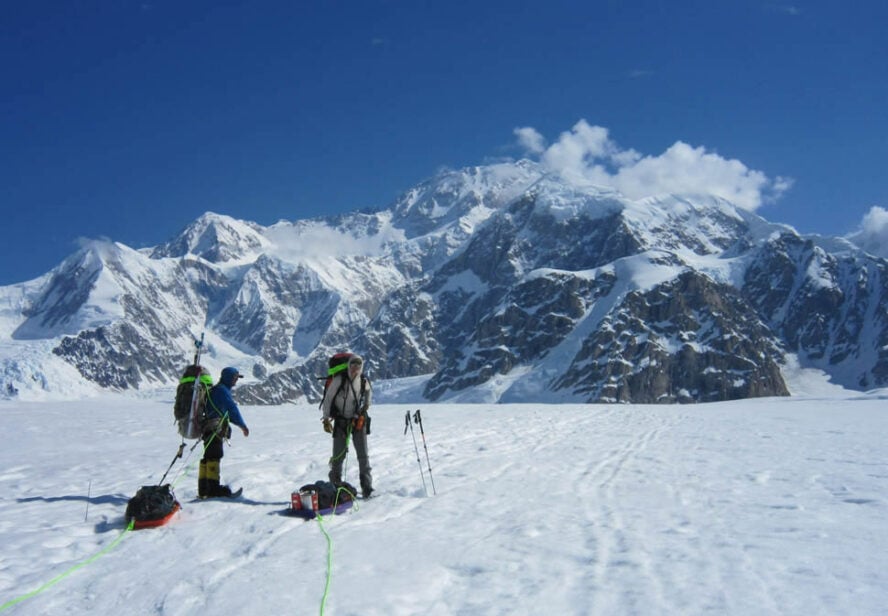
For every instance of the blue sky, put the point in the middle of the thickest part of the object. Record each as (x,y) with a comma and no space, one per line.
(128,119)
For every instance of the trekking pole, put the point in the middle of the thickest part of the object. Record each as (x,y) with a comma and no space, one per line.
(416,449)
(418,419)
(88,496)
(177,456)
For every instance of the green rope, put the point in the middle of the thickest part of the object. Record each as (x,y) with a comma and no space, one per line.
(329,564)
(320,519)
(344,452)
(62,576)
(90,560)
(205,380)
(183,471)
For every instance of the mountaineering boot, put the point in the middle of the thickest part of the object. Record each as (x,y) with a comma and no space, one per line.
(213,487)
(212,479)
(366,483)
(366,478)
(202,490)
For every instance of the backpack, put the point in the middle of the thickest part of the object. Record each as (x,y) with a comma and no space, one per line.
(151,503)
(330,494)
(336,364)
(191,401)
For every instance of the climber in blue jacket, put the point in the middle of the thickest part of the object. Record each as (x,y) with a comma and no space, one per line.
(221,411)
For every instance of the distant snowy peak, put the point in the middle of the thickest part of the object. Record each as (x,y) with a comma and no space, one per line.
(216,238)
(460,201)
(564,201)
(82,293)
(702,224)
(466,196)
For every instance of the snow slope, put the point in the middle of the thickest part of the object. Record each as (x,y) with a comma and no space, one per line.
(767,506)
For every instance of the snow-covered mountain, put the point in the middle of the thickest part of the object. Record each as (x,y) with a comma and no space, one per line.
(496,283)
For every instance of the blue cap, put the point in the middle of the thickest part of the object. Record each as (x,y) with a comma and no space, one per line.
(229,374)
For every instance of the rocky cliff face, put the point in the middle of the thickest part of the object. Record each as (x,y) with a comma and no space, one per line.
(496,279)
(688,339)
(828,307)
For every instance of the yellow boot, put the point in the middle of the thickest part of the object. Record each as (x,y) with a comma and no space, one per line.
(214,489)
(202,489)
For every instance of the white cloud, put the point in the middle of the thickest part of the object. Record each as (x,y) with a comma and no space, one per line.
(586,154)
(873,233)
(307,240)
(530,139)
(781,185)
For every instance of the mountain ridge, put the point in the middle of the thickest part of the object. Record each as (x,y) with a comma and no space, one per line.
(471,277)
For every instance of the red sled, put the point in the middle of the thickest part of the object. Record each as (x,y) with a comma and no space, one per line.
(139,524)
(152,506)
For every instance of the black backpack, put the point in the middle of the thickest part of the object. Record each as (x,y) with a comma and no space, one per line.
(192,396)
(327,493)
(151,503)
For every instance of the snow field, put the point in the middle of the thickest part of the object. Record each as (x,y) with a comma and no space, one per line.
(771,506)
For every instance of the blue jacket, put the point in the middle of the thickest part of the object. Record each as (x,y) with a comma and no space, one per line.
(221,402)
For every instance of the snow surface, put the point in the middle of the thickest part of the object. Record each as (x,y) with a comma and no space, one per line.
(768,506)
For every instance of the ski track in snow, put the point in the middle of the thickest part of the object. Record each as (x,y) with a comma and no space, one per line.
(755,507)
